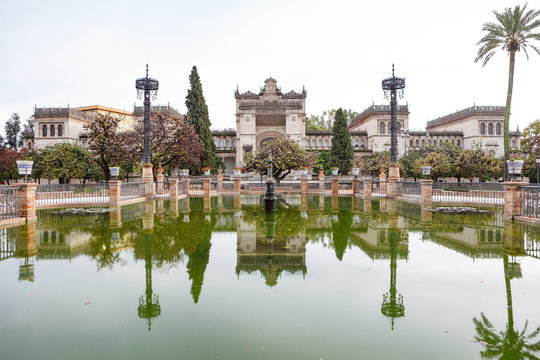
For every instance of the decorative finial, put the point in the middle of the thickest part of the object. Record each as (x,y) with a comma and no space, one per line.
(392,70)
(146,70)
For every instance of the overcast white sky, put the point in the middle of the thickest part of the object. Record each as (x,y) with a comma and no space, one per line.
(55,53)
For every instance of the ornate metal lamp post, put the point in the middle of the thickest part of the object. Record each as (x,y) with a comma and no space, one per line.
(148,87)
(269,195)
(393,86)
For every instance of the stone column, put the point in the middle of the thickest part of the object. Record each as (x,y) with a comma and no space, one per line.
(321,179)
(237,185)
(173,189)
(220,180)
(367,206)
(206,187)
(335,203)
(147,174)
(393,178)
(115,191)
(355,186)
(335,186)
(303,186)
(382,179)
(186,185)
(27,196)
(115,217)
(426,191)
(512,199)
(367,188)
(173,209)
(426,214)
(25,245)
(148,217)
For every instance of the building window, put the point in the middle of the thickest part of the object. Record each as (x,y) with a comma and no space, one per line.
(482,129)
(228,143)
(513,144)
(356,143)
(215,142)
(423,142)
(320,143)
(60,132)
(51,128)
(416,142)
(440,142)
(398,125)
(429,142)
(325,143)
(234,144)
(410,143)
(490,128)
(307,143)
(363,145)
(44,130)
(381,128)
(498,128)
(221,143)
(314,143)
(459,143)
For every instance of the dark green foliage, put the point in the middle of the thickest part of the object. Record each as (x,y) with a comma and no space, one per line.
(63,161)
(197,116)
(196,266)
(13,127)
(342,152)
(341,231)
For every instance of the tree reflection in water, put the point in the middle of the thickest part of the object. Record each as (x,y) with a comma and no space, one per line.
(507,344)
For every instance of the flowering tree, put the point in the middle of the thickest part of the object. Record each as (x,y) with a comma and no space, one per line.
(286,154)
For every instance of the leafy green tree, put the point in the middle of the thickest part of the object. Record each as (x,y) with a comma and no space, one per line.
(197,116)
(326,119)
(341,154)
(63,161)
(2,143)
(286,154)
(374,164)
(13,128)
(513,32)
(477,163)
(407,163)
(439,162)
(530,139)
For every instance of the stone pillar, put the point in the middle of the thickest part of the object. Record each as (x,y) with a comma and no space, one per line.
(335,203)
(355,186)
(220,202)
(173,189)
(27,196)
(25,245)
(237,202)
(321,202)
(159,178)
(382,179)
(207,204)
(186,186)
(321,179)
(220,180)
(512,199)
(148,217)
(173,209)
(206,187)
(147,174)
(367,206)
(304,201)
(335,186)
(303,186)
(393,178)
(115,191)
(237,185)
(426,214)
(367,188)
(426,191)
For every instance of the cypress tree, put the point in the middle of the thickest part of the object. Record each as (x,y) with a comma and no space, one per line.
(13,127)
(197,116)
(341,154)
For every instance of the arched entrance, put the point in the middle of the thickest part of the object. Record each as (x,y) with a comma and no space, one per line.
(266,137)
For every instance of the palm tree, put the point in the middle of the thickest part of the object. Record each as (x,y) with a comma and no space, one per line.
(512,32)
(508,344)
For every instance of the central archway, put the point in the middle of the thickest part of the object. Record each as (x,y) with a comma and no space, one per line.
(266,137)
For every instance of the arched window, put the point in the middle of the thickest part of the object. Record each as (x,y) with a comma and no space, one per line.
(410,142)
(498,127)
(60,132)
(398,125)
(308,143)
(513,144)
(228,143)
(52,130)
(234,143)
(363,144)
(215,142)
(482,129)
(320,143)
(381,128)
(423,142)
(325,143)
(440,142)
(221,143)
(416,142)
(490,128)
(459,143)
(314,143)
(356,143)
(44,130)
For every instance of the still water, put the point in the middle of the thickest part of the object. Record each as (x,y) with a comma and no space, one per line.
(218,279)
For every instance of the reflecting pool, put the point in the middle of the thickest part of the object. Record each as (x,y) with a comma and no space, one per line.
(322,278)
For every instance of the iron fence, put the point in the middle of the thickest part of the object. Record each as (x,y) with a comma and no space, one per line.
(328,184)
(483,192)
(50,194)
(530,201)
(162,188)
(345,187)
(314,184)
(409,189)
(378,188)
(132,190)
(10,203)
